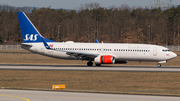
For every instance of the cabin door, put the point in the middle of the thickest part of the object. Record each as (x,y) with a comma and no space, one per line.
(155,51)
(42,49)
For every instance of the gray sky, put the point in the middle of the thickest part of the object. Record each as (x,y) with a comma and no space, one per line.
(73,4)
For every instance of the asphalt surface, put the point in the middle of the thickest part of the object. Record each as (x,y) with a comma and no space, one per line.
(85,68)
(28,95)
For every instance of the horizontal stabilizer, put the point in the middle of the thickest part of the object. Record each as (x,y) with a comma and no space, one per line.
(18,43)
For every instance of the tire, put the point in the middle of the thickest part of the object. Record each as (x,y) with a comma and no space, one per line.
(159,65)
(89,63)
(98,64)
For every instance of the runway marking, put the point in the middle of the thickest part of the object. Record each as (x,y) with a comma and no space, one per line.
(83,97)
(15,97)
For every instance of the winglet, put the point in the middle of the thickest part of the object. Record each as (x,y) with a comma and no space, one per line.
(45,44)
(96,41)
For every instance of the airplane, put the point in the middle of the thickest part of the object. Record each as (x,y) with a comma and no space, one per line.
(100,53)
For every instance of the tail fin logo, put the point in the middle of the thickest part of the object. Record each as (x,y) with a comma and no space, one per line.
(51,45)
(31,37)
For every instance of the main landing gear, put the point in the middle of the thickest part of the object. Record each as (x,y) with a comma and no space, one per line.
(90,63)
(98,64)
(159,65)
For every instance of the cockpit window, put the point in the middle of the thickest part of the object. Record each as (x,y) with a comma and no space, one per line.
(164,50)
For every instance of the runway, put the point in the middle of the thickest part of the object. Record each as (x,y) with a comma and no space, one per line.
(85,68)
(28,95)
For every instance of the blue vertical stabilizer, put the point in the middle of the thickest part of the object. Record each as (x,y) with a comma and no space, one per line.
(29,32)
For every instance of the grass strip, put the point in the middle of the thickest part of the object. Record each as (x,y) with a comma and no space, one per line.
(158,83)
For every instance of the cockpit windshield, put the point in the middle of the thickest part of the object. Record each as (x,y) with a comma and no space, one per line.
(165,50)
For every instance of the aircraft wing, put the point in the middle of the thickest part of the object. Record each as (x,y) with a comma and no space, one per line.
(81,56)
(77,55)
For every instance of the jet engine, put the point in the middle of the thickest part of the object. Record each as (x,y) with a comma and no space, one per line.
(104,59)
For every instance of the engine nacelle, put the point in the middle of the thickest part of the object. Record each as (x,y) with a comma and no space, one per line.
(104,59)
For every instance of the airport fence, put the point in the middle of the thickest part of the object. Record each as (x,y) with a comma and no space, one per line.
(10,47)
(173,48)
(18,47)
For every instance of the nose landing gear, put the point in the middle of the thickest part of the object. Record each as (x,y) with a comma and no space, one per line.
(159,65)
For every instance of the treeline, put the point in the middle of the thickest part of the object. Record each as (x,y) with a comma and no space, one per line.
(115,24)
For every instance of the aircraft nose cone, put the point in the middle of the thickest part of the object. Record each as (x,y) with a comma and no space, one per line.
(174,55)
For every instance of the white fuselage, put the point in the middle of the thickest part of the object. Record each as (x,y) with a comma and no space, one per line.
(124,52)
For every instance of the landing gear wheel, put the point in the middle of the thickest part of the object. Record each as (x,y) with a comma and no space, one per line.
(98,64)
(159,65)
(89,63)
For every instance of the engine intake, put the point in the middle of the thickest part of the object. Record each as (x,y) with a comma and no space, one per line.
(104,59)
